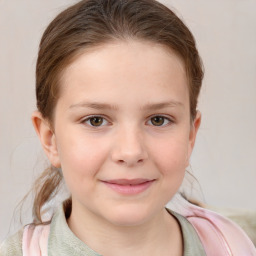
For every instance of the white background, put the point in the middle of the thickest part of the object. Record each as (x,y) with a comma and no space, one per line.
(225,153)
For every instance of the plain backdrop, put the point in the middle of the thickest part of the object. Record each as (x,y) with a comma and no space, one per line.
(225,153)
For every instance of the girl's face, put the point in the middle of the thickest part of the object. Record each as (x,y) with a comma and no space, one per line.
(122,130)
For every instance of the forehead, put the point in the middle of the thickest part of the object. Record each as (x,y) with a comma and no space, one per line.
(119,69)
(126,51)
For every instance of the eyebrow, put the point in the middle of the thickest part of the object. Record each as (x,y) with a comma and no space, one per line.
(105,106)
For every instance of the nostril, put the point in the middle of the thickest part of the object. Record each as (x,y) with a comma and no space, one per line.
(129,152)
(130,162)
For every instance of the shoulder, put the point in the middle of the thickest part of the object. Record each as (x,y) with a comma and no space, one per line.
(30,240)
(12,245)
(219,235)
(191,241)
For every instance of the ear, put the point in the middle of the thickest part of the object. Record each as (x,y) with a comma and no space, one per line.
(193,132)
(47,137)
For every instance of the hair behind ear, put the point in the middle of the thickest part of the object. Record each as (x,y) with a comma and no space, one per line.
(45,188)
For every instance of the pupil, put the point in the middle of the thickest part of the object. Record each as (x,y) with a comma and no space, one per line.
(96,121)
(158,120)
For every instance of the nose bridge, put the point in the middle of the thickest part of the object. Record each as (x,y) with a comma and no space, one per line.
(129,146)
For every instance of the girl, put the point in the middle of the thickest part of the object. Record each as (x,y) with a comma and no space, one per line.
(117,83)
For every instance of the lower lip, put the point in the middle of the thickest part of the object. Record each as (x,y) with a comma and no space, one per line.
(130,189)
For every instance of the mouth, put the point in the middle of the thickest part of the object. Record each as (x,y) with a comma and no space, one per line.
(129,187)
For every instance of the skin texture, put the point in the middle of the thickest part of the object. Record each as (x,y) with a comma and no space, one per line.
(128,143)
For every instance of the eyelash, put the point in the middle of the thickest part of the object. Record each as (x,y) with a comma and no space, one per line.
(99,116)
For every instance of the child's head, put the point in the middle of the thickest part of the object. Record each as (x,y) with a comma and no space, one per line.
(128,54)
(92,23)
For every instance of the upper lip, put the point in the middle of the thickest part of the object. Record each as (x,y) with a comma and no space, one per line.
(128,181)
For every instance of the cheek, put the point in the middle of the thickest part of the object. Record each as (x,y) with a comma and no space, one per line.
(171,156)
(81,158)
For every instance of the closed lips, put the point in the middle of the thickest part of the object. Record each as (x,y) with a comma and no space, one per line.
(129,187)
(128,182)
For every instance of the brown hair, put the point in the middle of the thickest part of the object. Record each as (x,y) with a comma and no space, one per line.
(95,22)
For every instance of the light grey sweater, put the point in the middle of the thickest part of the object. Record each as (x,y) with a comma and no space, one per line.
(62,240)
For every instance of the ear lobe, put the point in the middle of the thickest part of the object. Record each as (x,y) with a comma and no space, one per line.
(47,137)
(193,132)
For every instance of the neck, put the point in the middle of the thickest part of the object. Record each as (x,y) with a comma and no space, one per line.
(160,235)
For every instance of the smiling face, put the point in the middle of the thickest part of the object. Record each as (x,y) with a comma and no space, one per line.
(122,131)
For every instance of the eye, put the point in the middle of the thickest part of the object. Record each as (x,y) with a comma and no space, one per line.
(95,121)
(160,120)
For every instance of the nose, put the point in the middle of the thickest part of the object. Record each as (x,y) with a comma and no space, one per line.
(129,148)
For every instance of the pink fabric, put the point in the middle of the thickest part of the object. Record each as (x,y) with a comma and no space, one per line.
(35,240)
(219,235)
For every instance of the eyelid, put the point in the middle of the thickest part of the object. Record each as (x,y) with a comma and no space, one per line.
(87,118)
(170,120)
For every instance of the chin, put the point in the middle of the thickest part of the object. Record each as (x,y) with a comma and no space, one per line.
(129,216)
